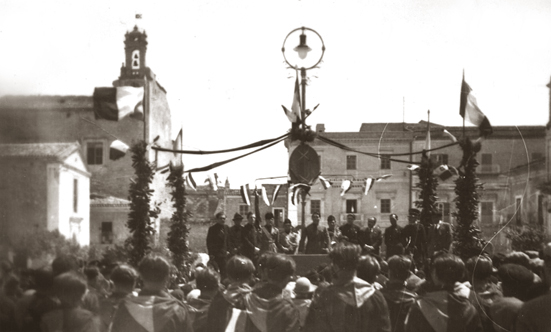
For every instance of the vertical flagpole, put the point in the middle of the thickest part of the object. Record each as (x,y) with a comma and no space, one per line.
(462,83)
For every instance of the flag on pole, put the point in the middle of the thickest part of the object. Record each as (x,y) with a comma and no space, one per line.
(324,182)
(117,103)
(264,195)
(427,139)
(368,185)
(244,190)
(276,192)
(117,150)
(290,115)
(383,177)
(345,186)
(212,182)
(191,182)
(296,100)
(450,135)
(468,109)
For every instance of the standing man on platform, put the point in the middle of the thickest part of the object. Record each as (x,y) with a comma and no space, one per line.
(234,238)
(269,235)
(416,240)
(394,240)
(217,243)
(288,239)
(371,237)
(315,236)
(249,246)
(350,232)
(439,236)
(335,234)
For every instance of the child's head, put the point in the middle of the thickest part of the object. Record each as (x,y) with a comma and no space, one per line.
(155,271)
(399,268)
(304,288)
(447,269)
(207,281)
(279,269)
(240,269)
(70,287)
(124,278)
(368,268)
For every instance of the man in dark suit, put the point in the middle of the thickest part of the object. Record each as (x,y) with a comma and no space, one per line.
(415,237)
(350,232)
(234,236)
(217,243)
(371,237)
(316,238)
(439,236)
(394,239)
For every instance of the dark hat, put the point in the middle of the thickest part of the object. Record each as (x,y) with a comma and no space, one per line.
(372,219)
(414,212)
(394,215)
(287,221)
(237,216)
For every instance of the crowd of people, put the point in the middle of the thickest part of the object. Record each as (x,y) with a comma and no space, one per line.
(253,286)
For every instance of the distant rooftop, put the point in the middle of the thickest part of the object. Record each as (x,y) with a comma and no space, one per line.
(39,150)
(98,200)
(44,101)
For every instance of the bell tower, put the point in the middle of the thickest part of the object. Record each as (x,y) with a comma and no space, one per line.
(135,47)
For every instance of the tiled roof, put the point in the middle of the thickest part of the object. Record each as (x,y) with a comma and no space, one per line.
(39,150)
(100,200)
(40,101)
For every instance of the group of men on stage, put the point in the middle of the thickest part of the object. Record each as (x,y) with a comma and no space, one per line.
(253,239)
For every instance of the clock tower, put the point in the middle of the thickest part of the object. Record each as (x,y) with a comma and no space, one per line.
(135,47)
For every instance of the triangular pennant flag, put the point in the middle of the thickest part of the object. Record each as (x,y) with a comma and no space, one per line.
(191,182)
(244,190)
(290,115)
(345,186)
(368,185)
(468,109)
(116,103)
(445,172)
(412,167)
(450,135)
(276,192)
(383,177)
(324,182)
(117,150)
(264,195)
(295,108)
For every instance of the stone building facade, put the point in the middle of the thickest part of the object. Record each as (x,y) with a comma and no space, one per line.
(54,119)
(513,165)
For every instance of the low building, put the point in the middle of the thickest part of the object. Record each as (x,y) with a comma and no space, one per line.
(44,186)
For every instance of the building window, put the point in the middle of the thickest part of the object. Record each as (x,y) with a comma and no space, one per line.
(94,153)
(351,206)
(136,59)
(243,210)
(444,210)
(385,205)
(75,195)
(536,156)
(486,159)
(350,162)
(315,206)
(385,162)
(107,232)
(439,159)
(486,213)
(279,216)
(518,211)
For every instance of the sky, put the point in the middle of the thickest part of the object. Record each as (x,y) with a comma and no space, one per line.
(224,72)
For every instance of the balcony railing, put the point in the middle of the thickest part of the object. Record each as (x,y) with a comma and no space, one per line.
(489,169)
(359,216)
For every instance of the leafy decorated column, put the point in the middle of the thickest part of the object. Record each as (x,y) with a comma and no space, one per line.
(467,240)
(179,230)
(141,216)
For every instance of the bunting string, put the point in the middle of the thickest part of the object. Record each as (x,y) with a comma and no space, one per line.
(381,155)
(248,146)
(220,163)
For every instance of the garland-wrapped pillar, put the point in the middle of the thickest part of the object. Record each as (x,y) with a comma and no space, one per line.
(141,216)
(177,240)
(467,241)
(427,184)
